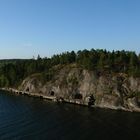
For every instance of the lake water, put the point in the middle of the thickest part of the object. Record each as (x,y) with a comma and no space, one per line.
(23,117)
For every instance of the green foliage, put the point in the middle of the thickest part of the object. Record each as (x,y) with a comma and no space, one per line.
(12,72)
(134,94)
(4,81)
(73,80)
(49,75)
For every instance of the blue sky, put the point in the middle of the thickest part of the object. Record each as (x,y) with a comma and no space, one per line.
(47,27)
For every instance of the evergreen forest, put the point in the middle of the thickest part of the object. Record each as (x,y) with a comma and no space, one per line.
(12,72)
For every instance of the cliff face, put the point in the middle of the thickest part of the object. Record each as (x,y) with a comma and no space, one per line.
(73,84)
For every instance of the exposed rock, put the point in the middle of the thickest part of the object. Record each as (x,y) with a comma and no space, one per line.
(72,84)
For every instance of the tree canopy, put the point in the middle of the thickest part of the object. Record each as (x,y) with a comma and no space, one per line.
(12,72)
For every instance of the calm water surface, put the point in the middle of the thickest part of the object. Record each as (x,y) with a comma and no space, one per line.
(23,117)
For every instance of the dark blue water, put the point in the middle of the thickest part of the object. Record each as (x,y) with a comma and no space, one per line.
(23,117)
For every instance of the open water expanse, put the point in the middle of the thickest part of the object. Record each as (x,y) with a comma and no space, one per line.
(23,117)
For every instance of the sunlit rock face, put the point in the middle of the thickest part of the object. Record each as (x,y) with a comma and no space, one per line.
(73,84)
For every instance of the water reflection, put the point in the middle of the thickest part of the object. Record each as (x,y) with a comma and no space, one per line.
(24,117)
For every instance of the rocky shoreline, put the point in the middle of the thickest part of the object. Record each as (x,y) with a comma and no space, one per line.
(42,96)
(61,100)
(15,91)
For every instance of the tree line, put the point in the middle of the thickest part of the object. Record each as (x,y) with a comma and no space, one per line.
(12,72)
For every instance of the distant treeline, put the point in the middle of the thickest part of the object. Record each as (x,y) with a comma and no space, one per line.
(12,72)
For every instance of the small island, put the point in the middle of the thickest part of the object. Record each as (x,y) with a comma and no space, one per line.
(95,78)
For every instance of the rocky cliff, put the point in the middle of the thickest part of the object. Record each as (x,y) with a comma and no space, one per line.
(73,84)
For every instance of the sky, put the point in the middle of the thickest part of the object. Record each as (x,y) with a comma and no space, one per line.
(47,27)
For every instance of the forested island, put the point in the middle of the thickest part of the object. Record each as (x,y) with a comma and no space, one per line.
(90,77)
